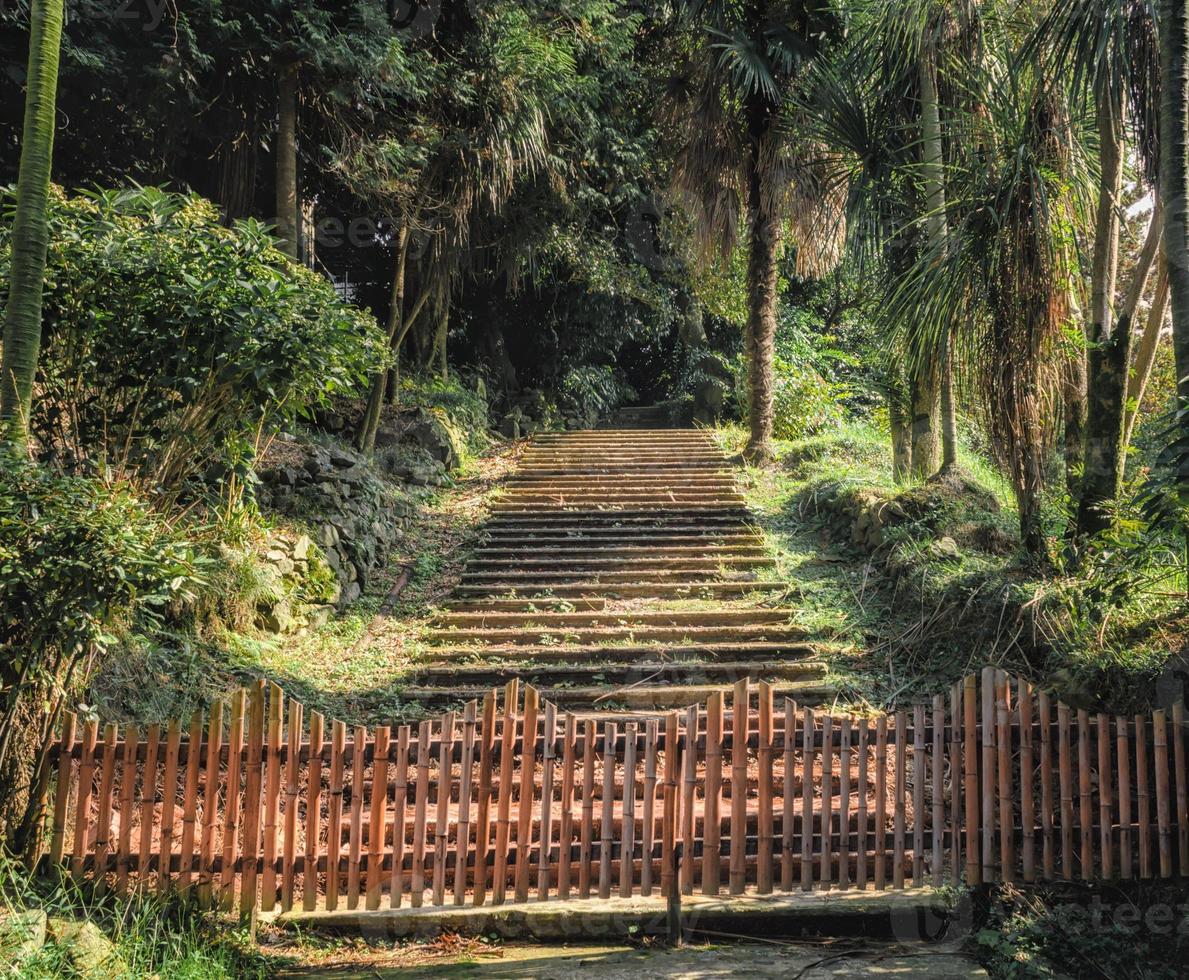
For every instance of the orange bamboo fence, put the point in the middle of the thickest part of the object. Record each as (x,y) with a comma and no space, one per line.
(260,804)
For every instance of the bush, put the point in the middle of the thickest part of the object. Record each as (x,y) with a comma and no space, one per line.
(804,403)
(172,344)
(77,557)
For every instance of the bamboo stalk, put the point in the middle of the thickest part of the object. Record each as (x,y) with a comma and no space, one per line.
(861,809)
(190,801)
(956,813)
(421,815)
(148,802)
(808,731)
(711,822)
(62,791)
(1085,797)
(313,835)
(444,791)
(1007,860)
(400,801)
(462,843)
(1178,734)
(292,770)
(334,814)
(272,798)
(970,771)
(565,839)
(648,815)
(355,838)
(483,809)
(627,846)
(127,790)
(898,817)
(919,768)
(103,824)
(787,825)
(1106,774)
(231,804)
(764,800)
(1027,774)
(82,804)
(606,821)
(689,762)
(1143,798)
(210,805)
(989,772)
(545,848)
(1123,754)
(377,817)
(586,845)
(826,872)
(844,848)
(1045,715)
(669,802)
(1163,825)
(881,801)
(740,725)
(528,779)
(937,784)
(503,820)
(1065,767)
(169,796)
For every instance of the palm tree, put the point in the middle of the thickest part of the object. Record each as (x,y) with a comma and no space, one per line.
(1174,178)
(738,156)
(30,233)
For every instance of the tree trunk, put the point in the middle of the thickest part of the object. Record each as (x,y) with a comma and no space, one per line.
(761,284)
(933,174)
(30,230)
(1145,354)
(440,338)
(1174,177)
(1073,398)
(926,398)
(287,218)
(238,158)
(901,426)
(1110,357)
(370,424)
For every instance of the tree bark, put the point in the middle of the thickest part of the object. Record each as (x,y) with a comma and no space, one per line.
(287,217)
(926,401)
(1110,357)
(1073,399)
(1145,354)
(761,283)
(30,230)
(937,225)
(370,424)
(1174,177)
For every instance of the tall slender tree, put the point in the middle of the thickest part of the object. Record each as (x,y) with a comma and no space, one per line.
(30,234)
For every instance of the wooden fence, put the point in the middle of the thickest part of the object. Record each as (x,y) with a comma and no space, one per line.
(513,799)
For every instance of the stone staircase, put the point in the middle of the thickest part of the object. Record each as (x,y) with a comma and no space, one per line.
(619,570)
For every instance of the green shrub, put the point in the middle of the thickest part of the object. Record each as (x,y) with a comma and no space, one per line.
(804,403)
(465,406)
(173,343)
(77,558)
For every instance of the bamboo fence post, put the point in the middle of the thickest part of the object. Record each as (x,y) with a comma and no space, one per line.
(445,790)
(937,784)
(355,838)
(1178,732)
(956,812)
(586,845)
(190,802)
(462,844)
(272,798)
(103,827)
(292,771)
(231,800)
(565,834)
(528,782)
(483,804)
(82,804)
(648,815)
(503,819)
(421,815)
(1085,797)
(169,796)
(548,763)
(62,791)
(919,768)
(669,806)
(1143,797)
(827,807)
(971,810)
(881,802)
(400,800)
(789,789)
(1160,757)
(898,812)
(313,834)
(740,733)
(1044,711)
(711,821)
(764,795)
(844,846)
(127,791)
(1106,776)
(1123,754)
(689,763)
(606,820)
(1027,772)
(1003,714)
(334,814)
(990,755)
(627,835)
(377,817)
(1064,764)
(210,805)
(148,803)
(861,813)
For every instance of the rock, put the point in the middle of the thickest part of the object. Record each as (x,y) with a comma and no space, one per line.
(431,431)
(328,535)
(278,619)
(510,427)
(351,592)
(386,436)
(22,933)
(90,952)
(319,615)
(946,547)
(341,459)
(301,549)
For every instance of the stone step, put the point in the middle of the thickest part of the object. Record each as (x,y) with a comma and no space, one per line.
(675,617)
(616,675)
(630,652)
(637,563)
(611,590)
(533,551)
(630,633)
